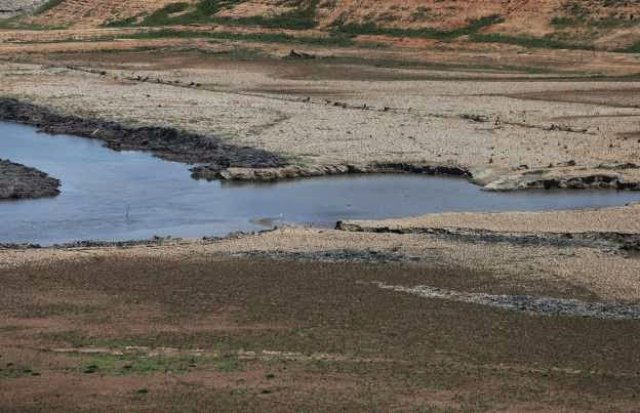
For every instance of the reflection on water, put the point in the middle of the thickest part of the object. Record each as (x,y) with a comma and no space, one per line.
(109,195)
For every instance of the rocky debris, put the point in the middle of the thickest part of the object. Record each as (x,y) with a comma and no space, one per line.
(537,180)
(566,128)
(338,255)
(166,143)
(19,246)
(619,166)
(10,8)
(300,55)
(475,118)
(21,182)
(289,172)
(546,306)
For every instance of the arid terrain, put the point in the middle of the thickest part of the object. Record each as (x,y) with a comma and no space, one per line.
(448,312)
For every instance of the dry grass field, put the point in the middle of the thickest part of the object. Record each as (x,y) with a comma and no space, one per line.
(221,333)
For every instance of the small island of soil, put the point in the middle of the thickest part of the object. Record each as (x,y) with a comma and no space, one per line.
(22,182)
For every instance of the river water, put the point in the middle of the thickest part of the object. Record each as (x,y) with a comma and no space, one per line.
(108,195)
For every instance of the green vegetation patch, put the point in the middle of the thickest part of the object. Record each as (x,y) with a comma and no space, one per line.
(303,16)
(16,371)
(609,22)
(203,13)
(534,42)
(178,13)
(635,48)
(472,27)
(163,16)
(127,21)
(48,6)
(334,40)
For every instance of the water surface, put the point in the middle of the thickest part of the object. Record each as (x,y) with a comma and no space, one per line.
(108,195)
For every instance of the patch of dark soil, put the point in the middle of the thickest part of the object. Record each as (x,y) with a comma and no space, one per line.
(600,240)
(337,255)
(622,98)
(22,182)
(165,143)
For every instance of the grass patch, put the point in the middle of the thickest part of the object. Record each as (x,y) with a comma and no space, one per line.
(610,22)
(202,13)
(301,18)
(163,16)
(635,48)
(335,40)
(372,29)
(48,6)
(532,42)
(125,22)
(15,24)
(59,309)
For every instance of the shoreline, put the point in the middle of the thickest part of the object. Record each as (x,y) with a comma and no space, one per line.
(165,143)
(214,159)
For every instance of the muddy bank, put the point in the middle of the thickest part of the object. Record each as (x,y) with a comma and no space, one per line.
(600,240)
(295,171)
(602,177)
(165,143)
(216,159)
(21,182)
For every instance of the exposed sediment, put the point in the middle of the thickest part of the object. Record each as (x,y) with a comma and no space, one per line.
(22,182)
(575,180)
(215,158)
(607,240)
(165,143)
(295,171)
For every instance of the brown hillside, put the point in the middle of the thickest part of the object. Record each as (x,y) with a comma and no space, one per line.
(607,23)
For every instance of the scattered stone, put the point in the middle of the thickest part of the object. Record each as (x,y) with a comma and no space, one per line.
(300,55)
(475,118)
(546,306)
